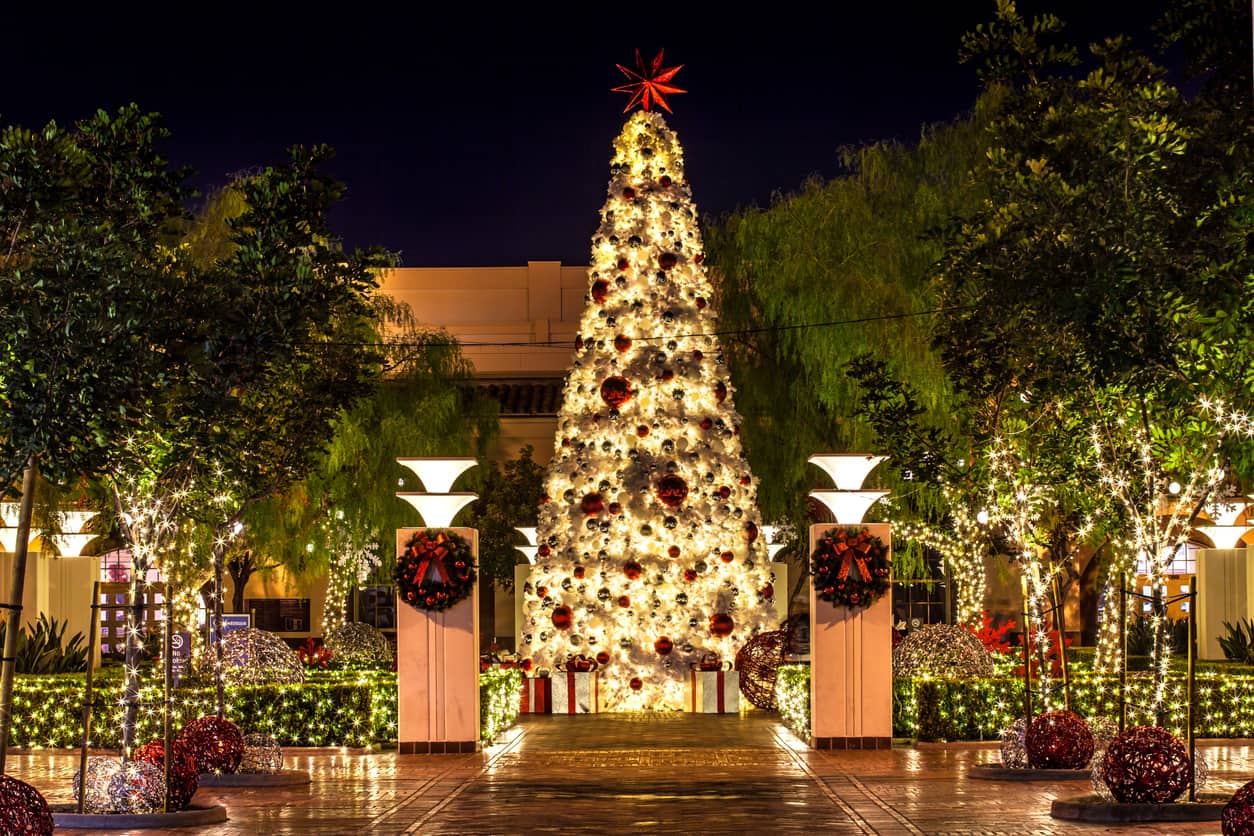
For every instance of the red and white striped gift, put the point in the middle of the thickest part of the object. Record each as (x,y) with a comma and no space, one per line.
(576,692)
(714,692)
(536,695)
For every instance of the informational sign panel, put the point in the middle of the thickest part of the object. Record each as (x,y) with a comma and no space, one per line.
(180,655)
(232,621)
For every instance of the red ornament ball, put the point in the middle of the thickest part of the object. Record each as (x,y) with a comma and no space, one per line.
(615,391)
(592,504)
(720,391)
(544,550)
(667,375)
(622,343)
(1058,740)
(724,492)
(698,258)
(624,601)
(697,356)
(184,779)
(216,745)
(563,617)
(622,263)
(667,261)
(664,646)
(701,303)
(603,658)
(726,557)
(767,591)
(672,490)
(690,575)
(579,573)
(664,181)
(600,289)
(636,683)
(721,624)
(1238,813)
(642,430)
(1146,764)
(542,591)
(750,532)
(632,570)
(706,423)
(673,552)
(615,508)
(629,193)
(23,809)
(745,480)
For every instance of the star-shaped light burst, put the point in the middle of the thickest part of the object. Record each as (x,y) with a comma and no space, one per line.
(649,83)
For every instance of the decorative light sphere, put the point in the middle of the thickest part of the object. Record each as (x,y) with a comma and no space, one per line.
(261,755)
(23,809)
(358,646)
(1146,764)
(100,771)
(1058,740)
(944,650)
(1238,814)
(1014,754)
(758,662)
(216,745)
(184,777)
(1104,730)
(137,788)
(255,657)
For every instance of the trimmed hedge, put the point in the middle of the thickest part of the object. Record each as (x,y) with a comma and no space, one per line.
(343,708)
(978,709)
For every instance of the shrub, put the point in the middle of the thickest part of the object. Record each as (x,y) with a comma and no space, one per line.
(1238,644)
(43,650)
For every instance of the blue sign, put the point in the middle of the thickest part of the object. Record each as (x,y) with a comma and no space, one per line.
(232,621)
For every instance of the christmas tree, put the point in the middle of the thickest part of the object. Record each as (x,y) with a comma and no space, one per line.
(650,556)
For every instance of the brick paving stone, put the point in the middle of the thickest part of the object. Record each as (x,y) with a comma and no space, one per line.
(650,773)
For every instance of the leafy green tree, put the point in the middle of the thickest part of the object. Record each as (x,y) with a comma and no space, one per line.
(85,293)
(508,499)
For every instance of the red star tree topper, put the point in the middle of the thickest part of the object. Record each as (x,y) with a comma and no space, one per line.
(649,83)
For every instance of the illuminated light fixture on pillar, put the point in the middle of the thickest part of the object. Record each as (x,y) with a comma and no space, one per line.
(1226,534)
(438,509)
(73,540)
(848,507)
(437,474)
(772,548)
(531,548)
(848,470)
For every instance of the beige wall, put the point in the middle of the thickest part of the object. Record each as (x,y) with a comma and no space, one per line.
(536,304)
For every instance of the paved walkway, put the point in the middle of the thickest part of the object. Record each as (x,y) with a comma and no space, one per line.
(650,774)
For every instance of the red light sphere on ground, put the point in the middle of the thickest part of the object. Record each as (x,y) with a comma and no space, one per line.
(1058,740)
(23,809)
(592,504)
(721,624)
(636,683)
(563,617)
(672,490)
(615,391)
(1146,764)
(664,646)
(1238,813)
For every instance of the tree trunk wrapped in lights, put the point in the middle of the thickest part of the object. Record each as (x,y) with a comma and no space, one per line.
(649,554)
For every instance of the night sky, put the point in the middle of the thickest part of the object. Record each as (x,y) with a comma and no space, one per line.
(485,139)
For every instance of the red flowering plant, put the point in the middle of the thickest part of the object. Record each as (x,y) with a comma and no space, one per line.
(313,655)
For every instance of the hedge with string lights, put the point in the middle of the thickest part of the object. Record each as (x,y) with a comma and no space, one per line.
(978,709)
(344,709)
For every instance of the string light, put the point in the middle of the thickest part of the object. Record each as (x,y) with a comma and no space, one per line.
(1159,519)
(962,546)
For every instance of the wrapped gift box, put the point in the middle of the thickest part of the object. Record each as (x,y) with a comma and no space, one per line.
(576,692)
(537,693)
(714,692)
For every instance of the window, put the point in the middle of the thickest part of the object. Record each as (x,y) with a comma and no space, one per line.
(376,605)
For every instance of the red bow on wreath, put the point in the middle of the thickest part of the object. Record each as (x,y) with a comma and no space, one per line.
(851,554)
(431,552)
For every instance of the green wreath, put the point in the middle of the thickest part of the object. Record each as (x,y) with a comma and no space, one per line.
(850,568)
(438,552)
